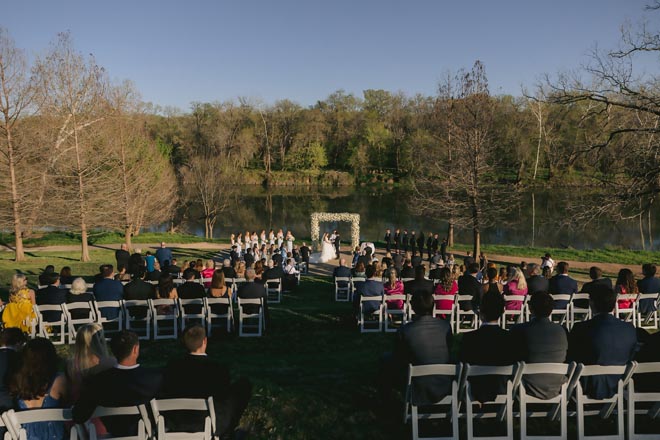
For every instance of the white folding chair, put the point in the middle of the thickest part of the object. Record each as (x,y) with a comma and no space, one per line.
(137,316)
(274,291)
(168,312)
(143,428)
(391,312)
(110,325)
(518,314)
(342,289)
(188,309)
(562,313)
(461,315)
(177,281)
(405,280)
(51,328)
(424,412)
(628,314)
(71,309)
(512,373)
(211,305)
(447,312)
(647,320)
(559,403)
(578,312)
(245,320)
(15,420)
(363,319)
(607,405)
(649,400)
(160,406)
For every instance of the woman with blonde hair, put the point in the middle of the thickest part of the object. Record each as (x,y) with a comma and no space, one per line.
(240,269)
(19,313)
(515,285)
(393,287)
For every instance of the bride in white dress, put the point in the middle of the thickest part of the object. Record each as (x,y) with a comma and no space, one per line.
(327,251)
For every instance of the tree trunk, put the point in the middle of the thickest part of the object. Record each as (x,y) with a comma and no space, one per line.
(641,232)
(19,254)
(128,232)
(83,239)
(538,146)
(208,229)
(450,234)
(477,243)
(81,198)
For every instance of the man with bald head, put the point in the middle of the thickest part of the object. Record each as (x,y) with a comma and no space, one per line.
(164,255)
(342,270)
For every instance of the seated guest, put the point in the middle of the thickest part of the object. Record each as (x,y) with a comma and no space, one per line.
(154,275)
(11,341)
(65,275)
(469,285)
(393,287)
(562,284)
(138,289)
(253,290)
(190,289)
(122,274)
(195,376)
(259,272)
(219,289)
(492,283)
(516,285)
(626,285)
(424,341)
(397,262)
(416,260)
(173,268)
(166,290)
(127,384)
(36,384)
(78,293)
(387,259)
(45,276)
(648,284)
(598,283)
(408,271)
(488,345)
(51,295)
(341,271)
(150,261)
(109,289)
(275,272)
(435,272)
(359,270)
(370,287)
(541,341)
(228,270)
(419,284)
(208,272)
(19,313)
(249,258)
(134,263)
(602,340)
(240,270)
(447,288)
(90,356)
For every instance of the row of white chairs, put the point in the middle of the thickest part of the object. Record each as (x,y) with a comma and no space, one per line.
(15,421)
(460,403)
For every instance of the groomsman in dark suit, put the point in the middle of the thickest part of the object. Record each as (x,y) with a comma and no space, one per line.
(429,245)
(404,241)
(413,243)
(397,240)
(649,284)
(388,240)
(443,249)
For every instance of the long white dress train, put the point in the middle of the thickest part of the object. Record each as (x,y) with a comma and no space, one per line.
(327,253)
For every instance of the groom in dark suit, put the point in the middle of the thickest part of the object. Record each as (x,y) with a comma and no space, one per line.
(337,243)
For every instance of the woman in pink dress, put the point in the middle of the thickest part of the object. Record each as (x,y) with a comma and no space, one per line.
(393,287)
(626,285)
(446,287)
(515,285)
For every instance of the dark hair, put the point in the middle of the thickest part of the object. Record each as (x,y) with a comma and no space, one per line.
(369,271)
(165,285)
(627,279)
(65,272)
(492,306)
(107,270)
(595,272)
(218,279)
(446,280)
(12,336)
(420,271)
(122,344)
(52,277)
(359,267)
(37,370)
(49,269)
(541,304)
(491,274)
(649,269)
(562,267)
(473,268)
(422,302)
(193,337)
(189,274)
(603,301)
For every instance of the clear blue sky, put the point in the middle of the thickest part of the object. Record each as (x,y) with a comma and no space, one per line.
(181,51)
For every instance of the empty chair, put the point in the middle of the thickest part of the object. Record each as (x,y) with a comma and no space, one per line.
(164,311)
(192,309)
(250,316)
(274,290)
(219,309)
(643,402)
(423,410)
(343,289)
(391,312)
(137,317)
(580,310)
(78,314)
(16,420)
(204,406)
(465,316)
(367,318)
(647,311)
(561,314)
(110,315)
(143,428)
(52,322)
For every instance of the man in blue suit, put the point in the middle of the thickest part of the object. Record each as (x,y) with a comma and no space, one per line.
(602,340)
(648,284)
(562,284)
(109,289)
(370,287)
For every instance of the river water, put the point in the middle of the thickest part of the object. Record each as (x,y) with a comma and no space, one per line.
(538,220)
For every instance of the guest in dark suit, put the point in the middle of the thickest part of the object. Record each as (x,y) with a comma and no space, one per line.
(469,285)
(435,271)
(488,345)
(602,340)
(51,295)
(535,281)
(416,260)
(341,271)
(195,376)
(138,289)
(388,240)
(397,240)
(127,384)
(407,270)
(648,284)
(305,252)
(109,289)
(419,284)
(424,341)
(597,284)
(122,256)
(420,243)
(371,287)
(191,289)
(229,271)
(248,258)
(275,272)
(541,341)
(366,258)
(405,241)
(397,261)
(413,243)
(11,340)
(562,284)
(45,276)
(252,290)
(650,352)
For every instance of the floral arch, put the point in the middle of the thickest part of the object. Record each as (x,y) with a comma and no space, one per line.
(318,217)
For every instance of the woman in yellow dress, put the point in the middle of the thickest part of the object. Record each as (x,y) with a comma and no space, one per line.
(18,312)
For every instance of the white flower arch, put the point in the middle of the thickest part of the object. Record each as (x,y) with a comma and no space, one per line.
(318,217)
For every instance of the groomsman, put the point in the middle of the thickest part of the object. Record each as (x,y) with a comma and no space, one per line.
(388,240)
(397,240)
(420,243)
(413,243)
(434,245)
(429,245)
(404,241)
(443,249)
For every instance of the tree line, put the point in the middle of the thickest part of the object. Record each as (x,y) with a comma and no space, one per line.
(83,153)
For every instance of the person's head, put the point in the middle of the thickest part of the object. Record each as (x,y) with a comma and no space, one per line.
(420,271)
(124,247)
(189,274)
(173,262)
(148,253)
(603,300)
(90,346)
(250,274)
(162,244)
(422,302)
(595,272)
(18,281)
(165,286)
(627,279)
(562,267)
(491,274)
(547,255)
(342,262)
(65,272)
(446,279)
(391,277)
(218,279)
(541,304)
(38,367)
(517,276)
(49,269)
(210,264)
(194,339)
(523,266)
(649,270)
(359,268)
(533,269)
(370,271)
(473,268)
(226,262)
(12,337)
(125,347)
(367,251)
(78,286)
(108,271)
(52,278)
(258,268)
(240,267)
(492,306)
(199,264)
